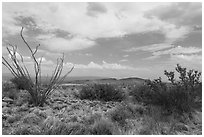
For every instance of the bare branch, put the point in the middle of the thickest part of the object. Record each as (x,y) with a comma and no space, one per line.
(19,70)
(36,49)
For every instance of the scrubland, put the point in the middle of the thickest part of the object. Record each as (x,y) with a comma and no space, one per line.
(153,107)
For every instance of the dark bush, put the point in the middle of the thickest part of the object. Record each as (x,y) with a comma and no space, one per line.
(182,95)
(9,90)
(123,112)
(102,92)
(22,83)
(141,93)
(103,127)
(7,86)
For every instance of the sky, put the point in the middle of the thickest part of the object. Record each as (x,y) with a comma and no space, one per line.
(106,39)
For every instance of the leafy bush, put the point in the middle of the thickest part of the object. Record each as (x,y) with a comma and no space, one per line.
(102,92)
(9,90)
(103,127)
(8,86)
(141,93)
(12,119)
(26,129)
(179,95)
(89,120)
(32,118)
(123,112)
(53,126)
(22,82)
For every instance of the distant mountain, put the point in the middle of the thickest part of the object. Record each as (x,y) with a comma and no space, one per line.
(86,79)
(8,76)
(132,78)
(73,78)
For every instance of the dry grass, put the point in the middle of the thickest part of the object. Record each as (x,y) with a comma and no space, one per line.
(85,117)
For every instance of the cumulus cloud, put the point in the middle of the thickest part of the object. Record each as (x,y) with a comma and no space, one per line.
(195,58)
(93,9)
(118,19)
(104,65)
(17,54)
(183,13)
(49,54)
(192,61)
(44,61)
(61,44)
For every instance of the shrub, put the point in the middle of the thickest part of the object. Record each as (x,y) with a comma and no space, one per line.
(103,127)
(89,120)
(184,92)
(53,126)
(8,86)
(22,77)
(22,82)
(23,97)
(12,119)
(102,92)
(31,118)
(25,129)
(123,112)
(141,93)
(179,95)
(9,90)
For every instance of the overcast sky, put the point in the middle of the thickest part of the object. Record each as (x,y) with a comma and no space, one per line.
(107,39)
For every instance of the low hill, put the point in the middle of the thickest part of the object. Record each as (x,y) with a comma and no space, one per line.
(88,80)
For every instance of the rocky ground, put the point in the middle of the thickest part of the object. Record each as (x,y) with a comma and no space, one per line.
(66,114)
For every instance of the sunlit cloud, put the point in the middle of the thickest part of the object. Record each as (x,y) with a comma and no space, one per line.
(104,65)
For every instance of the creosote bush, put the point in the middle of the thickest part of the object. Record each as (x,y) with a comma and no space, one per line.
(21,83)
(179,95)
(124,112)
(22,77)
(102,92)
(9,90)
(103,127)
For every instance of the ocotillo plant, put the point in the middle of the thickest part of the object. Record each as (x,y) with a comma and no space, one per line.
(20,72)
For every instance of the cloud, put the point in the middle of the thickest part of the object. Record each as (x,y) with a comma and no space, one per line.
(125,56)
(123,60)
(191,58)
(192,61)
(53,54)
(165,49)
(4,50)
(54,43)
(182,13)
(157,51)
(45,61)
(152,57)
(178,50)
(18,56)
(104,65)
(89,54)
(150,48)
(118,19)
(93,9)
